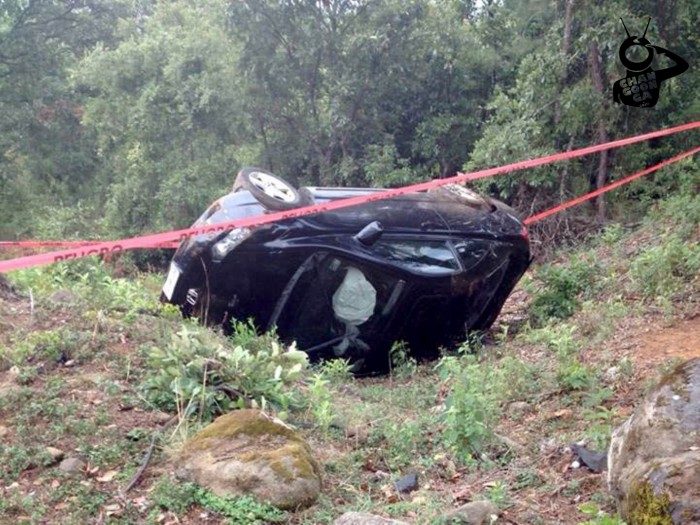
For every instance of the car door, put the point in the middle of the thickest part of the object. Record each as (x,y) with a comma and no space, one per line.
(334,305)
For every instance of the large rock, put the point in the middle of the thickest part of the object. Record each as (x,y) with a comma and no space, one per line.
(247,452)
(654,457)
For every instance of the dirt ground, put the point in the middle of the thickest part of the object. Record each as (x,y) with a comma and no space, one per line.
(650,342)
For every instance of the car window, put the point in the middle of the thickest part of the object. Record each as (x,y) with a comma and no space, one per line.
(471,251)
(426,256)
(204,219)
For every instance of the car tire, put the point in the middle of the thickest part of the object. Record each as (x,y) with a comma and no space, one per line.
(273,192)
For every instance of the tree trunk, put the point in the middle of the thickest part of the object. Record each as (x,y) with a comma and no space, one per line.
(567,27)
(596,71)
(565,50)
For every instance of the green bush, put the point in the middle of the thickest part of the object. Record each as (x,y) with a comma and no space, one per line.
(598,516)
(44,350)
(201,373)
(472,406)
(558,288)
(665,269)
(319,399)
(90,280)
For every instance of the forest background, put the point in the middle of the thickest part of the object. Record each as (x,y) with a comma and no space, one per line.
(119,117)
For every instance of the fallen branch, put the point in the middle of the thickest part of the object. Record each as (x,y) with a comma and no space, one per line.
(147,457)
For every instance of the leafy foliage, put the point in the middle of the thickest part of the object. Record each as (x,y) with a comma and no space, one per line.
(663,270)
(179,497)
(200,373)
(557,296)
(471,407)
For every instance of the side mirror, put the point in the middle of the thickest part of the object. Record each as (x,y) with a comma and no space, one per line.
(370,233)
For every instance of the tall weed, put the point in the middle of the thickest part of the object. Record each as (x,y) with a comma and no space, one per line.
(198,372)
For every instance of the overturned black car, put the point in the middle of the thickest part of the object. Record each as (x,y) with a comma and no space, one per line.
(423,268)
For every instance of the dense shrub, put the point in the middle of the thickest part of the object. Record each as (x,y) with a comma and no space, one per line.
(558,288)
(665,269)
(199,372)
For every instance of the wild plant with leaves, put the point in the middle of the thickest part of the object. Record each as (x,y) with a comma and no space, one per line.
(198,372)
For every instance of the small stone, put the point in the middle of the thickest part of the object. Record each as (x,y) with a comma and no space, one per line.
(575,464)
(364,518)
(162,417)
(71,465)
(3,431)
(56,454)
(380,475)
(408,483)
(358,432)
(517,409)
(595,461)
(612,374)
(481,512)
(63,297)
(548,446)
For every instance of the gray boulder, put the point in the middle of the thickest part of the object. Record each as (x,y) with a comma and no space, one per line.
(364,518)
(654,457)
(248,452)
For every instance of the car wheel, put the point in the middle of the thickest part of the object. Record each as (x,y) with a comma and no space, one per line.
(273,192)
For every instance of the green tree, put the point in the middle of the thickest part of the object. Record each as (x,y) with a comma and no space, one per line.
(562,99)
(338,88)
(45,156)
(166,107)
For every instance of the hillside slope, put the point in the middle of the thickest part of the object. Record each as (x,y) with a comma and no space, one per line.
(91,366)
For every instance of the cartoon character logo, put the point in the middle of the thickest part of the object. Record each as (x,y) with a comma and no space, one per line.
(640,88)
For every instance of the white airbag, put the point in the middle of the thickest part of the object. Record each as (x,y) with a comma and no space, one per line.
(355,298)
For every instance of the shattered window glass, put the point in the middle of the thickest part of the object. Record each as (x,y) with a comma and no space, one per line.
(472,251)
(430,256)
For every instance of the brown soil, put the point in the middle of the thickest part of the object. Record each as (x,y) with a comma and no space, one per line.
(659,344)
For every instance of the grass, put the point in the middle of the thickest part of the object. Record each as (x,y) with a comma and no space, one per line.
(94,365)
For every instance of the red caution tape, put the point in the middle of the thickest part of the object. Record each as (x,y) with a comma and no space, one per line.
(149,241)
(611,186)
(67,244)
(46,244)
